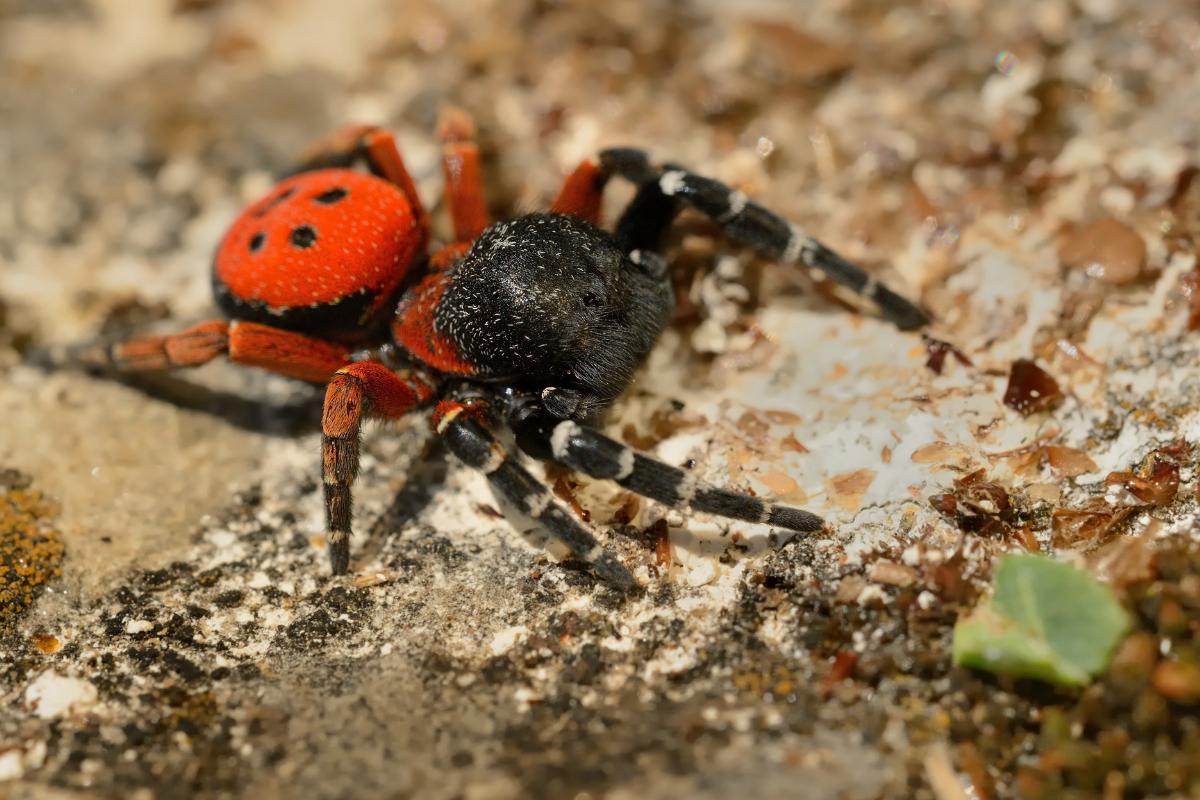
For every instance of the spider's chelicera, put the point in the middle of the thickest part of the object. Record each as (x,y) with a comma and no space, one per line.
(537,322)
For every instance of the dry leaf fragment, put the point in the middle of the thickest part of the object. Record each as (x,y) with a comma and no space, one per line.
(848,488)
(1069,462)
(1126,559)
(790,442)
(46,643)
(936,351)
(1156,480)
(1031,389)
(664,552)
(843,667)
(976,505)
(1189,285)
(782,485)
(939,453)
(1087,523)
(565,490)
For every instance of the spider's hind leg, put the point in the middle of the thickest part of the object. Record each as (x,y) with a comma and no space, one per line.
(663,188)
(588,451)
(281,351)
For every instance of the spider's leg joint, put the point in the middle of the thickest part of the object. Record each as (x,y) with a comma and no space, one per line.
(798,240)
(473,443)
(672,181)
(594,454)
(536,505)
(651,263)
(493,462)
(560,440)
(625,463)
(448,418)
(737,204)
(686,489)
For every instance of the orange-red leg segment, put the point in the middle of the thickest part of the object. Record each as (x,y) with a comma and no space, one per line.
(284,352)
(448,256)
(193,347)
(582,192)
(362,389)
(464,177)
(374,145)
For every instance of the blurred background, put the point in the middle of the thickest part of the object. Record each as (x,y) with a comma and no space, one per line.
(134,131)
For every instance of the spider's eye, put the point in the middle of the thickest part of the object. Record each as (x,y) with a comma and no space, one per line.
(591,299)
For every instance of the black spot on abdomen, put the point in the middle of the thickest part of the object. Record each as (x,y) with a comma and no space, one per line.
(303,236)
(257,241)
(284,195)
(331,196)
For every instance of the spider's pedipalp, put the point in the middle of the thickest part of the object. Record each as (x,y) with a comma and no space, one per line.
(663,188)
(592,453)
(469,440)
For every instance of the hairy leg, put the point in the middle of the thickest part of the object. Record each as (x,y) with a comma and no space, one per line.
(464,176)
(582,192)
(592,453)
(284,352)
(376,146)
(463,427)
(363,389)
(663,188)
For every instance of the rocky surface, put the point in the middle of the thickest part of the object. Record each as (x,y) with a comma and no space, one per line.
(1027,169)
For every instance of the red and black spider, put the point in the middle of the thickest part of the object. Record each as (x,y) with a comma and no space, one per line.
(536,322)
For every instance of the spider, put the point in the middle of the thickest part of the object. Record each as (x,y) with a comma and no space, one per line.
(537,322)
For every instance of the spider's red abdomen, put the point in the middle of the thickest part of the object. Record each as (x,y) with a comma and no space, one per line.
(323,253)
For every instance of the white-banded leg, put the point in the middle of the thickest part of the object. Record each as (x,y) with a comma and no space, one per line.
(467,437)
(588,451)
(664,187)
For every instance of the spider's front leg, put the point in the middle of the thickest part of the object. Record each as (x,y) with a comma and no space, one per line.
(362,389)
(463,425)
(588,451)
(283,352)
(664,189)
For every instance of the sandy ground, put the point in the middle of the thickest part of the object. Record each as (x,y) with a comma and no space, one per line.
(191,643)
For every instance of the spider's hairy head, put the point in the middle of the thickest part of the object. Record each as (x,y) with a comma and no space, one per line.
(548,300)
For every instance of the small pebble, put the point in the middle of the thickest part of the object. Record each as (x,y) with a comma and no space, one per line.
(1178,681)
(1106,249)
(52,695)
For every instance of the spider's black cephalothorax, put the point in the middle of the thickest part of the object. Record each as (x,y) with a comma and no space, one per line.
(550,302)
(535,323)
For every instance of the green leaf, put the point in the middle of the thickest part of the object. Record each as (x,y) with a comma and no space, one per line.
(1046,620)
